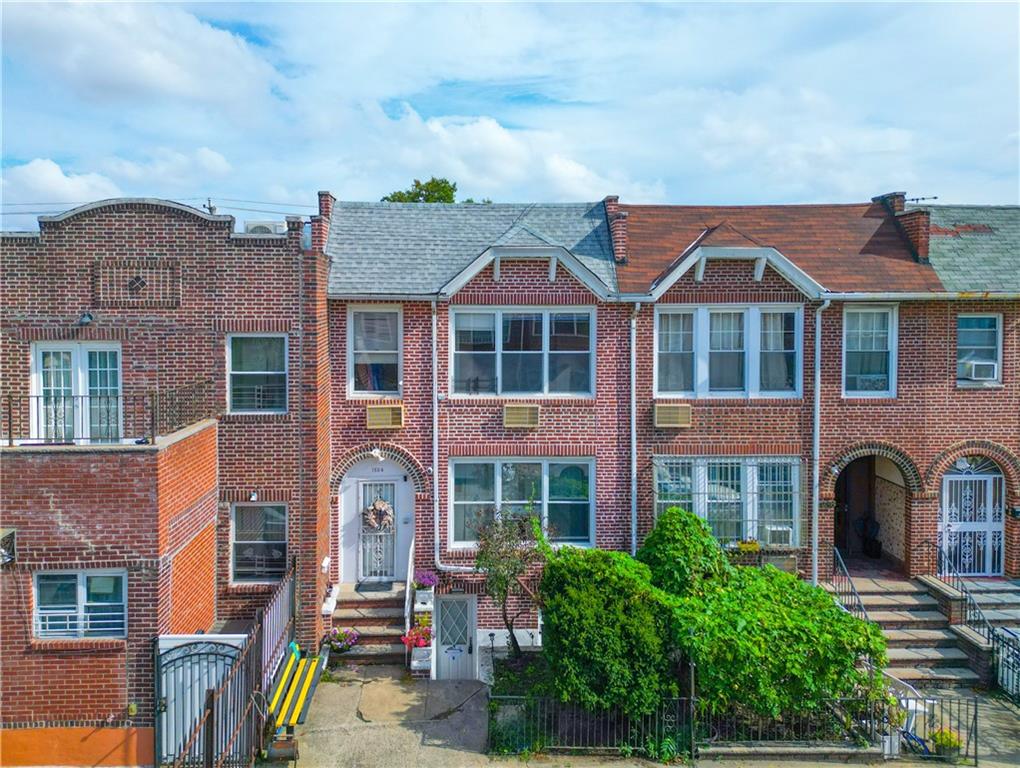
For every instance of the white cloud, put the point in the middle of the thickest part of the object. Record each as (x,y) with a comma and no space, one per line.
(41,181)
(167,167)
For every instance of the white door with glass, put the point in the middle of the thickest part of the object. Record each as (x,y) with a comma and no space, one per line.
(972,514)
(378,531)
(376,522)
(455,638)
(76,393)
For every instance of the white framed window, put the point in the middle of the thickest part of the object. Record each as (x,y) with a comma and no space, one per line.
(80,604)
(257,373)
(869,350)
(741,498)
(258,542)
(76,392)
(523,351)
(561,492)
(729,351)
(978,350)
(375,345)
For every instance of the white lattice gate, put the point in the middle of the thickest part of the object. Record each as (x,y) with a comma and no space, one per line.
(971,519)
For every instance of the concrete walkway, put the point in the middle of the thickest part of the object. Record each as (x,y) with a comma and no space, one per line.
(378,717)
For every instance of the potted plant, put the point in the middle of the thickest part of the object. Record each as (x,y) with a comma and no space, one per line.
(947,744)
(418,640)
(342,640)
(424,589)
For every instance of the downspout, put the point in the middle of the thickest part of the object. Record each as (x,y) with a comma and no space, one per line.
(435,451)
(633,428)
(816,440)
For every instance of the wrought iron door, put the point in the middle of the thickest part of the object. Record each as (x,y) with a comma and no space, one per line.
(971,519)
(377,547)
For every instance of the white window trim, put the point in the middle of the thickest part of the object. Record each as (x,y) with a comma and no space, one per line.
(545,461)
(286,373)
(893,311)
(749,488)
(498,312)
(752,351)
(287,542)
(79,380)
(353,309)
(81,574)
(964,383)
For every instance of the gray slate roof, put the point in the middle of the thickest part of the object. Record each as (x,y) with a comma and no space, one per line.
(416,248)
(976,247)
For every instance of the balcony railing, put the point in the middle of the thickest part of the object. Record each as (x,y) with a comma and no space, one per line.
(104,419)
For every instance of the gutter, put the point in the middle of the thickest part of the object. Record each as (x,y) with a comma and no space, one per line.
(633,428)
(816,440)
(435,452)
(920,295)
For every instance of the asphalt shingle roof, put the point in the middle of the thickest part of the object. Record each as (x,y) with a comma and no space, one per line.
(416,248)
(975,247)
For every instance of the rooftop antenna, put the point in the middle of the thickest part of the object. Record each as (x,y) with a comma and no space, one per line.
(921,199)
(212,208)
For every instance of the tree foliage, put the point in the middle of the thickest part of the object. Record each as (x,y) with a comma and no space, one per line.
(435,190)
(683,555)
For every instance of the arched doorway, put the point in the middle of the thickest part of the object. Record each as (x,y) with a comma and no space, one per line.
(871,504)
(373,542)
(972,516)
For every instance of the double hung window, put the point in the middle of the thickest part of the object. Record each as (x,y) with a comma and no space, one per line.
(375,352)
(80,604)
(257,373)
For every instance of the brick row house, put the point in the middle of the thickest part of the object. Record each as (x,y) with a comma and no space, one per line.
(805,377)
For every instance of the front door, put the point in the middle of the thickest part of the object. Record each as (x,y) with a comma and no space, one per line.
(971,520)
(377,543)
(455,648)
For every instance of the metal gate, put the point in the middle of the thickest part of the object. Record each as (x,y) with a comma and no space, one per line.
(183,675)
(377,561)
(971,519)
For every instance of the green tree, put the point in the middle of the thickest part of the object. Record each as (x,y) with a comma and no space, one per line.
(506,550)
(683,555)
(435,190)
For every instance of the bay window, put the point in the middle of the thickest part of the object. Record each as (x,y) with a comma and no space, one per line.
(559,492)
(741,498)
(257,373)
(749,352)
(869,351)
(374,352)
(522,352)
(80,604)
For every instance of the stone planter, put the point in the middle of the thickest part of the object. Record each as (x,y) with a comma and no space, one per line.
(423,599)
(421,658)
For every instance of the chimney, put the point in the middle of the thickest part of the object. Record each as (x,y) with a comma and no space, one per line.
(320,223)
(916,225)
(894,202)
(617,227)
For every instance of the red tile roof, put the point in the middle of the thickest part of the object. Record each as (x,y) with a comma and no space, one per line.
(852,247)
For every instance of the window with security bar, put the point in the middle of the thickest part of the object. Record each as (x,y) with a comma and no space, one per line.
(80,604)
(741,498)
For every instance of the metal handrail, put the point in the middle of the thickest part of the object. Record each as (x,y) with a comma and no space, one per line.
(945,571)
(409,596)
(846,593)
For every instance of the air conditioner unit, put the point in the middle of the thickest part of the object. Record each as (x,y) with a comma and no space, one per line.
(384,416)
(779,535)
(981,371)
(520,416)
(672,415)
(265,227)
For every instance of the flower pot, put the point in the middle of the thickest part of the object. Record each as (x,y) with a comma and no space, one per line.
(421,658)
(423,599)
(948,754)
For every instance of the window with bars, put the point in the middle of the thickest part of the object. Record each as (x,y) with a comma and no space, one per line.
(740,498)
(258,534)
(257,373)
(80,604)
(522,352)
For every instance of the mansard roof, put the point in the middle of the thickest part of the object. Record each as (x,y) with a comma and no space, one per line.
(417,249)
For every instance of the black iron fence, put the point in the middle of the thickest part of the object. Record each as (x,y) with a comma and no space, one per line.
(946,572)
(55,419)
(933,727)
(1007,662)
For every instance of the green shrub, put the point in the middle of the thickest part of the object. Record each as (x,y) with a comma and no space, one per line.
(683,555)
(773,643)
(606,631)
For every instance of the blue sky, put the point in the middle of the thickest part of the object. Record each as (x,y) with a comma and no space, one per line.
(671,103)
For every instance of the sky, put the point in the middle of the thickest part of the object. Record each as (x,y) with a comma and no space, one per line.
(261,105)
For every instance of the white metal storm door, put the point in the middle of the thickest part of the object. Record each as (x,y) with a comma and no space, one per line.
(455,652)
(378,532)
(971,520)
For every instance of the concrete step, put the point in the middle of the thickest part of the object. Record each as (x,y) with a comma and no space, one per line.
(909,619)
(350,594)
(376,634)
(1002,617)
(900,602)
(919,638)
(925,657)
(375,653)
(977,586)
(367,616)
(936,677)
(997,600)
(877,586)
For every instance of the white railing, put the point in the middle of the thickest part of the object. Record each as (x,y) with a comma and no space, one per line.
(277,627)
(409,589)
(97,621)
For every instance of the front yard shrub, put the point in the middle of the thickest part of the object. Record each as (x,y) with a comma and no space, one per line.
(772,643)
(606,631)
(683,555)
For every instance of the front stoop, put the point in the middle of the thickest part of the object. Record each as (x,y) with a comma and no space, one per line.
(378,617)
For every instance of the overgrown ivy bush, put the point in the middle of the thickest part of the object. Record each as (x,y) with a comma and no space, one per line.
(607,631)
(682,554)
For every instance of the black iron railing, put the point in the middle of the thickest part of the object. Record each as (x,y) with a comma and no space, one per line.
(846,593)
(945,571)
(104,419)
(1007,663)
